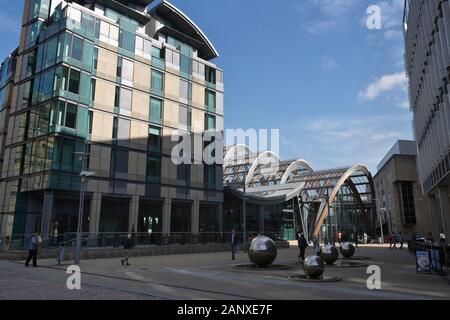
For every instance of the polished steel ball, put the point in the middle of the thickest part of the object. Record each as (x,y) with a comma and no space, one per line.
(314,267)
(347,249)
(329,254)
(262,251)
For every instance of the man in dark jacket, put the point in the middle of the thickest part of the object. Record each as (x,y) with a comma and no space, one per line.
(233,241)
(127,246)
(302,244)
(33,250)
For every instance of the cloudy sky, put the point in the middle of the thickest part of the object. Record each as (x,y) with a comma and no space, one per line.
(311,68)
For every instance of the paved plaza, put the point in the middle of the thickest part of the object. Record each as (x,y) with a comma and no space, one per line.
(214,276)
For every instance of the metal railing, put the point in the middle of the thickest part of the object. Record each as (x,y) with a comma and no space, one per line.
(115,239)
(442,248)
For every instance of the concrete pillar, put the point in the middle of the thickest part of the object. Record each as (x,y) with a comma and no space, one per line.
(94,214)
(444,206)
(167,210)
(261,219)
(47,212)
(133,217)
(433,214)
(195,217)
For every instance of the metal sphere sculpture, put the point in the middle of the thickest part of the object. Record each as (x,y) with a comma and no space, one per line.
(314,267)
(347,249)
(262,251)
(329,254)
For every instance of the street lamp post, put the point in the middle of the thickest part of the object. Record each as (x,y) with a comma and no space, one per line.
(84,176)
(381,219)
(244,213)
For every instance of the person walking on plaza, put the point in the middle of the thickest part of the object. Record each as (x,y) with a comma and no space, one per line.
(302,244)
(33,250)
(127,247)
(400,239)
(394,240)
(355,238)
(233,241)
(316,246)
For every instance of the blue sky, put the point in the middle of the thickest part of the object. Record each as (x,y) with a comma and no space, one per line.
(336,90)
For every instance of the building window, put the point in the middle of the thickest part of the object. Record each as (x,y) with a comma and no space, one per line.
(210,122)
(210,100)
(154,139)
(119,67)
(95,58)
(127,40)
(74,81)
(157,82)
(153,169)
(407,203)
(210,75)
(185,90)
(127,72)
(90,121)
(125,99)
(71,116)
(77,49)
(51,48)
(156,110)
(183,174)
(93,86)
(115,128)
(210,176)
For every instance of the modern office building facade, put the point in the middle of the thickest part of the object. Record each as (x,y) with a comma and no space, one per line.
(427,58)
(402,206)
(108,84)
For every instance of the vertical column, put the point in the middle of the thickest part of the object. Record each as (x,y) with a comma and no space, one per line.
(134,214)
(167,210)
(433,214)
(47,210)
(261,219)
(220,219)
(195,221)
(94,214)
(444,210)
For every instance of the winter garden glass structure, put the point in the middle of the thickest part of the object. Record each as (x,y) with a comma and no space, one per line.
(284,196)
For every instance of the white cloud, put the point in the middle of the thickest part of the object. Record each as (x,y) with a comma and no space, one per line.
(341,141)
(383,84)
(332,15)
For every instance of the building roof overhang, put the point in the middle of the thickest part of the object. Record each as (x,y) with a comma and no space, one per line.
(191,33)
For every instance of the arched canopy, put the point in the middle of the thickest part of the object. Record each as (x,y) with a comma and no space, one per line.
(295,166)
(267,159)
(236,154)
(330,199)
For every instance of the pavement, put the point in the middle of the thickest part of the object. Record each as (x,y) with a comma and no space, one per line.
(214,276)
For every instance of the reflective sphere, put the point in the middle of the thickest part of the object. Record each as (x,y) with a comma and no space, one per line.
(329,254)
(347,249)
(314,267)
(262,251)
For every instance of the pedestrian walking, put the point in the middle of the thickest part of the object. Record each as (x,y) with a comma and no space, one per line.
(302,245)
(355,238)
(127,247)
(400,239)
(394,241)
(316,246)
(233,241)
(33,250)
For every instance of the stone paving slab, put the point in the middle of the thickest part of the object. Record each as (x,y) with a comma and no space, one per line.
(214,276)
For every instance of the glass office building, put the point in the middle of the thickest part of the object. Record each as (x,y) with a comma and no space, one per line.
(114,80)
